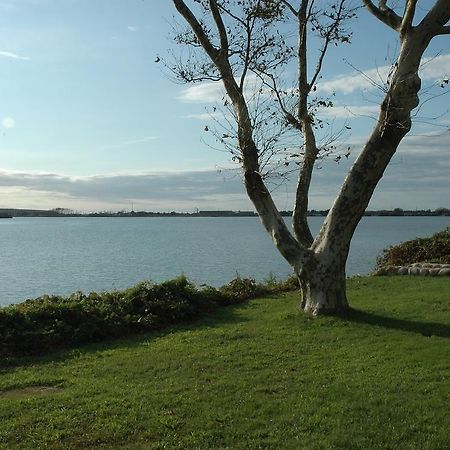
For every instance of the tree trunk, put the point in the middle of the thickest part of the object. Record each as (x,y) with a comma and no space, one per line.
(323,289)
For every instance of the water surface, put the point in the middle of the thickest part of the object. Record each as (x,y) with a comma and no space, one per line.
(63,255)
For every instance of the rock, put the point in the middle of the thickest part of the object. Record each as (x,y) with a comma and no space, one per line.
(422,269)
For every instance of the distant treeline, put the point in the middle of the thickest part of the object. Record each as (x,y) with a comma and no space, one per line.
(63,212)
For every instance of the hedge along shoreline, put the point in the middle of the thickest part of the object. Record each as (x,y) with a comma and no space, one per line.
(42,325)
(433,249)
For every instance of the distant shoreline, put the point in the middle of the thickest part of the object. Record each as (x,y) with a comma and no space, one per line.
(61,212)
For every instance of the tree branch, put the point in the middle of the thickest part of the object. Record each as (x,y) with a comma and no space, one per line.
(324,49)
(394,122)
(248,29)
(288,116)
(299,216)
(444,30)
(233,16)
(300,213)
(181,7)
(408,16)
(220,27)
(384,14)
(290,7)
(434,23)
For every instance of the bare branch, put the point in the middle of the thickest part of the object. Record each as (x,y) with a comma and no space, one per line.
(293,121)
(290,7)
(233,16)
(328,37)
(220,27)
(248,29)
(304,87)
(384,14)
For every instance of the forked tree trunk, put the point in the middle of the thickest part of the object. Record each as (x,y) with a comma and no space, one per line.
(320,265)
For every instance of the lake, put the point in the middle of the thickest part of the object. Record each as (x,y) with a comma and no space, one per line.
(62,255)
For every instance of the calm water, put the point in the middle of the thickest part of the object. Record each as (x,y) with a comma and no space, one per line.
(62,255)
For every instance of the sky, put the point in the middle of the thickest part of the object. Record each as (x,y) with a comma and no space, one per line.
(90,122)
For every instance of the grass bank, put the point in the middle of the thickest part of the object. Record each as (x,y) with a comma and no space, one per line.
(254,375)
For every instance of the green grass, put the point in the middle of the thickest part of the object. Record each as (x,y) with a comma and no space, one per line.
(256,375)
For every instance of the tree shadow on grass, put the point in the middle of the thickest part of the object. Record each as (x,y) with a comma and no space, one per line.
(426,329)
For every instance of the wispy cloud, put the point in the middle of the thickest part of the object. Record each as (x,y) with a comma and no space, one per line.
(432,69)
(355,81)
(140,140)
(130,142)
(433,145)
(435,68)
(206,92)
(132,28)
(14,56)
(350,112)
(205,116)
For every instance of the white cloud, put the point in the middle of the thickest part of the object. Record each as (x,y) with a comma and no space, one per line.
(204,116)
(435,68)
(130,142)
(356,81)
(214,92)
(132,28)
(206,92)
(350,112)
(14,56)
(8,122)
(140,140)
(432,69)
(436,144)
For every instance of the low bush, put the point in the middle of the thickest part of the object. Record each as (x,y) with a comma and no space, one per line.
(49,322)
(431,249)
(240,289)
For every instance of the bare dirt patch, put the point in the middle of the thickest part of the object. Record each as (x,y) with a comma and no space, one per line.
(29,391)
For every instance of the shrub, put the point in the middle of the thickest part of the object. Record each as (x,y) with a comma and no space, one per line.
(290,284)
(50,322)
(431,249)
(240,289)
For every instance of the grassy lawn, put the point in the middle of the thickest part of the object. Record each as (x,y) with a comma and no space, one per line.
(257,375)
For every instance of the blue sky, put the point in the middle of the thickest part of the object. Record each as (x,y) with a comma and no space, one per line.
(89,121)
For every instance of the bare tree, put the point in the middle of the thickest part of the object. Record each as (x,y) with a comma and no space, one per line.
(232,40)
